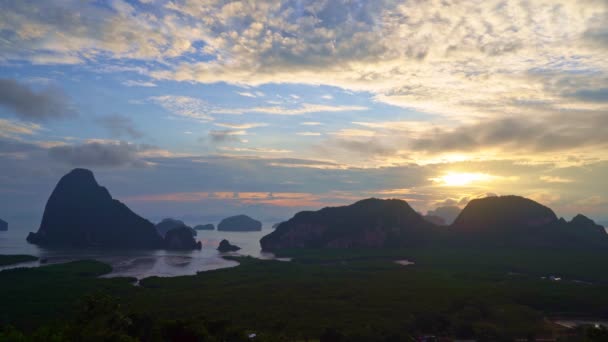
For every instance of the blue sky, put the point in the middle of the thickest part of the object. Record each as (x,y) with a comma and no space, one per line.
(202,109)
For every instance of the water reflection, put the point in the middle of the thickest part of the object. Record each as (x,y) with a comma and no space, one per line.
(144,263)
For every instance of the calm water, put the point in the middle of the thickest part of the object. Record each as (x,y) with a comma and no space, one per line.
(144,263)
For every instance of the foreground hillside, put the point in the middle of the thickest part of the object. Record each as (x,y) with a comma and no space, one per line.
(362,294)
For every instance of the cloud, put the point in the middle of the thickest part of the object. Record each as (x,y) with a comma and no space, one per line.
(308,134)
(555,179)
(246,94)
(305,108)
(98,154)
(241,126)
(254,149)
(556,132)
(12,128)
(28,104)
(184,106)
(10,146)
(449,58)
(72,32)
(364,147)
(354,133)
(310,123)
(120,126)
(226,135)
(134,83)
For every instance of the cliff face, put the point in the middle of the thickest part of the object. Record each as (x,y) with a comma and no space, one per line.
(79,212)
(239,223)
(367,223)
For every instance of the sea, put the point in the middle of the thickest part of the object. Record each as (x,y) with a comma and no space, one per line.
(144,263)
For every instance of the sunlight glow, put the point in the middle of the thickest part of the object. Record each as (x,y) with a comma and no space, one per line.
(462,178)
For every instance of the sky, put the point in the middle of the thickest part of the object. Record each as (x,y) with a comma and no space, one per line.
(204,109)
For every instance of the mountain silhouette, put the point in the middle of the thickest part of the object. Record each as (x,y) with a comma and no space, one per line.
(3,225)
(367,223)
(81,213)
(502,212)
(493,221)
(522,222)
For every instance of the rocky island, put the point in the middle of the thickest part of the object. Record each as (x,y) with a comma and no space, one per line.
(512,221)
(209,226)
(368,223)
(167,224)
(82,213)
(521,222)
(240,223)
(226,246)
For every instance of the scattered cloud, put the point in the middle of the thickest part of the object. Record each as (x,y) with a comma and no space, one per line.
(310,123)
(13,128)
(241,126)
(561,131)
(226,135)
(120,126)
(368,147)
(308,134)
(555,179)
(355,133)
(134,83)
(246,94)
(28,104)
(305,108)
(97,154)
(184,106)
(254,149)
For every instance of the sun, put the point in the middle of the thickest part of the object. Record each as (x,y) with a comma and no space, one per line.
(462,178)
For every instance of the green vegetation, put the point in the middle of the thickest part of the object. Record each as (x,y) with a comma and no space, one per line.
(34,296)
(356,294)
(15,259)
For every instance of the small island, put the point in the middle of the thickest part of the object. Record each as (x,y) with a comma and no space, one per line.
(240,223)
(208,226)
(226,246)
(3,225)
